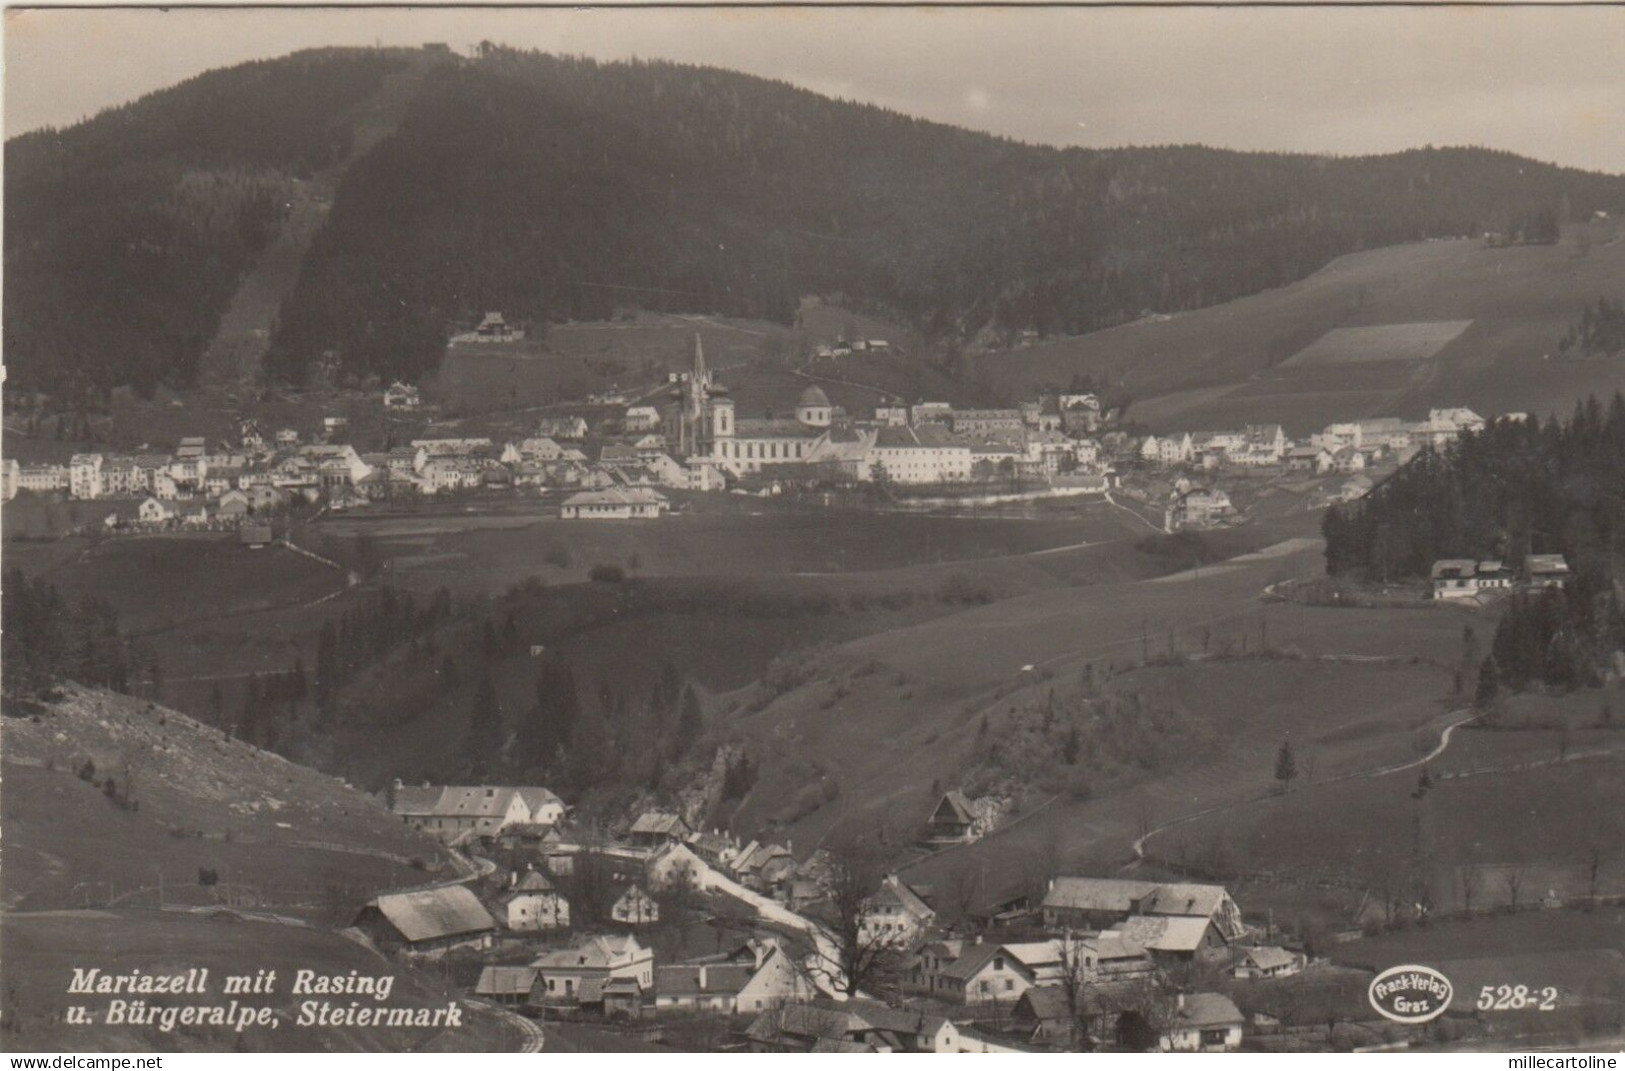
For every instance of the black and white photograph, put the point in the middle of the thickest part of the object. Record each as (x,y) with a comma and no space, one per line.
(813,529)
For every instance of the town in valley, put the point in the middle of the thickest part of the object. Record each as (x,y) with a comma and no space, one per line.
(842,616)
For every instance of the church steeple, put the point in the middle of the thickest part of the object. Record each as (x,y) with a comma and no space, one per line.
(701,376)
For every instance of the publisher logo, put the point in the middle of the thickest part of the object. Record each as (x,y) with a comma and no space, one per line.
(1410,994)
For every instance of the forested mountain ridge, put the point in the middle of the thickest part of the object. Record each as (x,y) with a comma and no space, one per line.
(126,234)
(555,188)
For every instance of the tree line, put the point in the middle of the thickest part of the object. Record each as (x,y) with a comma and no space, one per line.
(1600,331)
(47,640)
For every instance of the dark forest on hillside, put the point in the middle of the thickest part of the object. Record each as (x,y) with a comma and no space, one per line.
(1516,488)
(555,188)
(125,235)
(1600,332)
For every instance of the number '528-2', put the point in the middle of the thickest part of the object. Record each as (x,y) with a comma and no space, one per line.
(1516,998)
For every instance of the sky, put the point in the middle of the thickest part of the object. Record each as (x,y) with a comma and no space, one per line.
(1546,82)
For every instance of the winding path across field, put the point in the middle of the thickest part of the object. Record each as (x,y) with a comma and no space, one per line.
(1361,775)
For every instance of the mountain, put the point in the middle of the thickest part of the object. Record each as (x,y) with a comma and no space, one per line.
(562,188)
(127,234)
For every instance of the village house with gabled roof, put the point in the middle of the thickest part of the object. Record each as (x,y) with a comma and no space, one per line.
(615,503)
(896,915)
(857,1025)
(1546,570)
(1082,903)
(654,828)
(1267,961)
(451,811)
(634,907)
(1174,939)
(1203,1022)
(952,821)
(534,904)
(578,975)
(505,985)
(429,922)
(984,974)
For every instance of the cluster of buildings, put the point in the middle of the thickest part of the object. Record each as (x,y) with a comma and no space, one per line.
(1463,579)
(1344,448)
(1002,981)
(929,443)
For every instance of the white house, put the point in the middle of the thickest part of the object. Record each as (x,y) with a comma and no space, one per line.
(152,511)
(534,904)
(1267,961)
(579,974)
(634,907)
(896,915)
(641,418)
(1203,1022)
(615,503)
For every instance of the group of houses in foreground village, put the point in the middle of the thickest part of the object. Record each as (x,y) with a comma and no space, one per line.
(1147,953)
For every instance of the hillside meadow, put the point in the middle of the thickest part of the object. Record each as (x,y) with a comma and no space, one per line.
(1265,358)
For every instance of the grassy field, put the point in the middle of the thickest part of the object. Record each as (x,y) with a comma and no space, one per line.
(898,729)
(1387,342)
(276,833)
(41,948)
(160,581)
(1516,826)
(1224,365)
(733,537)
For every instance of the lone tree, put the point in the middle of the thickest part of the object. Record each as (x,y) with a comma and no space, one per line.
(1286,765)
(852,957)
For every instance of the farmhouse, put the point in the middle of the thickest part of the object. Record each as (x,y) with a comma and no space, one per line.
(1173,939)
(984,974)
(700,987)
(953,821)
(1267,961)
(654,828)
(1546,570)
(757,863)
(429,922)
(505,985)
(450,811)
(1464,578)
(1100,903)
